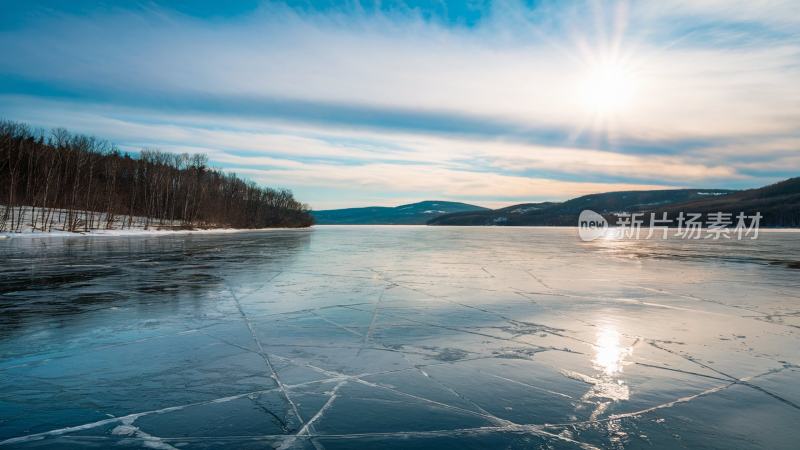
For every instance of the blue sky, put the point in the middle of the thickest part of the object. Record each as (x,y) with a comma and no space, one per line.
(362,103)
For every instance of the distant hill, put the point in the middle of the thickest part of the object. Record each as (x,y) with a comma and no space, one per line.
(566,213)
(778,204)
(490,216)
(411,214)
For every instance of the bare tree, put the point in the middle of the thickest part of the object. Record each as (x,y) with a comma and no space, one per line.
(84,184)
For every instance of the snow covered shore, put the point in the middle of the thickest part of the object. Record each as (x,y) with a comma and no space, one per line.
(30,226)
(134,232)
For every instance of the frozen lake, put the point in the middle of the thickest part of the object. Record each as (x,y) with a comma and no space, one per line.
(399,337)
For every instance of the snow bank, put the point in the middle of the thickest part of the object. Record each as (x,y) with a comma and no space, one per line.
(123,225)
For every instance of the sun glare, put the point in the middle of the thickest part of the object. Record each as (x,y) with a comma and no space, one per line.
(609,353)
(608,89)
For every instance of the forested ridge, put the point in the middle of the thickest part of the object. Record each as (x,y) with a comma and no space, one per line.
(778,205)
(71,182)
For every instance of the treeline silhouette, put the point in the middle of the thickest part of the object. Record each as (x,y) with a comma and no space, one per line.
(70,182)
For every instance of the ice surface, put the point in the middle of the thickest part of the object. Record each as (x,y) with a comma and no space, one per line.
(399,337)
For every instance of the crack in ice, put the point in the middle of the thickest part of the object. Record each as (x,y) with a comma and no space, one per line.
(265,356)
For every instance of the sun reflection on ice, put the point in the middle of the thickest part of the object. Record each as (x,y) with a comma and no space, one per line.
(609,354)
(615,244)
(608,386)
(609,358)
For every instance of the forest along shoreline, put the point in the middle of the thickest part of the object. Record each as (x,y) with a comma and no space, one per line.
(62,183)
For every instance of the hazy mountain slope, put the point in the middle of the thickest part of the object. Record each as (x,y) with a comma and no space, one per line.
(566,213)
(489,216)
(779,204)
(411,214)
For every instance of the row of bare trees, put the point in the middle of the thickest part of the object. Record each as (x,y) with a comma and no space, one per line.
(62,181)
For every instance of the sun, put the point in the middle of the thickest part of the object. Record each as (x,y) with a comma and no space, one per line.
(608,88)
